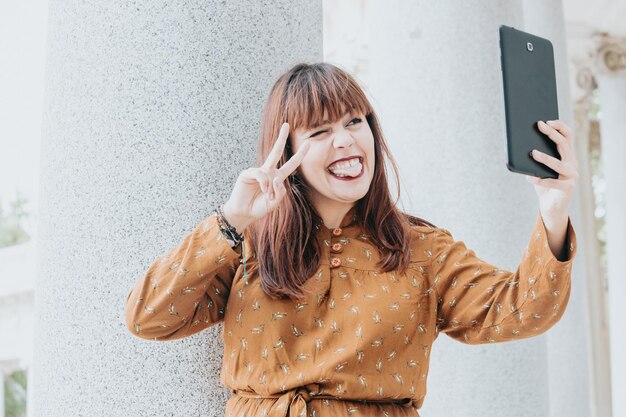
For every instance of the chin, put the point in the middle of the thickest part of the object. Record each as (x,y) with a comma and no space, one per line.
(353,197)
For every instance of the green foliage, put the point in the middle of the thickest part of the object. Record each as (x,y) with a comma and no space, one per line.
(15,394)
(11,224)
(12,233)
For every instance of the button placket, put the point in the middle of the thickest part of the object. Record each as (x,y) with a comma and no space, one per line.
(335,248)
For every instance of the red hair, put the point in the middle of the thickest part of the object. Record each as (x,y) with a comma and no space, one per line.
(287,252)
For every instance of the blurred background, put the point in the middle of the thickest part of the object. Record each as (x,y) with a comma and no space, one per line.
(37,74)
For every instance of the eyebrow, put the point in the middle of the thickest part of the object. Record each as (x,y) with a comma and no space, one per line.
(325,122)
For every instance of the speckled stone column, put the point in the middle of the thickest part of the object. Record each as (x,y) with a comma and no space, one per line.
(612,90)
(434,74)
(152,109)
(570,378)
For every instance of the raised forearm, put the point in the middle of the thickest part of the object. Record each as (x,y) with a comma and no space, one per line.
(556,228)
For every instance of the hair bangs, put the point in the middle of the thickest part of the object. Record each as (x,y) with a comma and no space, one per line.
(314,91)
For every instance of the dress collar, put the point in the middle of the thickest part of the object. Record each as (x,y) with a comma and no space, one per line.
(348,220)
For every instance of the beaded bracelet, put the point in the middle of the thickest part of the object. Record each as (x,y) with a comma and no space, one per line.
(227,229)
(232,237)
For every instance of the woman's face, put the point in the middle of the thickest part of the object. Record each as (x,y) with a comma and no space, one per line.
(339,164)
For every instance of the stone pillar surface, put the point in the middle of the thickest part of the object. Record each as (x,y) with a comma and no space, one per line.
(152,109)
(434,75)
(570,378)
(612,91)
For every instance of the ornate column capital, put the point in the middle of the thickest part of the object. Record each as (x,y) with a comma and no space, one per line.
(610,54)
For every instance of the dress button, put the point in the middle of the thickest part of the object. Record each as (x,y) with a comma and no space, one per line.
(337,247)
(335,262)
(337,231)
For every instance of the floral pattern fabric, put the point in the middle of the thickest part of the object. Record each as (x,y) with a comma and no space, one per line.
(360,342)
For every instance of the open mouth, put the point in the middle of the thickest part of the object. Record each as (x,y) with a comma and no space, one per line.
(347,170)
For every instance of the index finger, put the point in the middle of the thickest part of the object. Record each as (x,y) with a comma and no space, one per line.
(279,146)
(293,162)
(561,127)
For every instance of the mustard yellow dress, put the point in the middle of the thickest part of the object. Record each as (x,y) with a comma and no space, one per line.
(360,344)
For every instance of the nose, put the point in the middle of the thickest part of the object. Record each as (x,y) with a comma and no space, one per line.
(342,139)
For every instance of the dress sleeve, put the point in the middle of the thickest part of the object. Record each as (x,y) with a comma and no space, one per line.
(480,303)
(185,290)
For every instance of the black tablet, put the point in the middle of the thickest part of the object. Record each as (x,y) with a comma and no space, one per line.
(529,81)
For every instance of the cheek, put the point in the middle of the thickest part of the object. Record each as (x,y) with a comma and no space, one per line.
(313,163)
(370,152)
(372,159)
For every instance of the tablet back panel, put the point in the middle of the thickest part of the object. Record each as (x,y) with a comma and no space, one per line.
(529,96)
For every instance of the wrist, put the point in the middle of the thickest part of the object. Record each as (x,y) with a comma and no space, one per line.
(554,220)
(556,234)
(240,223)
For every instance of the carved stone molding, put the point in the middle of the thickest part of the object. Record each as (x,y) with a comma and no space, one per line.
(610,54)
(607,56)
(585,78)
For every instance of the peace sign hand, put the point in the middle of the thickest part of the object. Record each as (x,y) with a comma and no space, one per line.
(258,191)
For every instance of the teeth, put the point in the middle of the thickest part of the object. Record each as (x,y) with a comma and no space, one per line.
(346,168)
(344,164)
(353,170)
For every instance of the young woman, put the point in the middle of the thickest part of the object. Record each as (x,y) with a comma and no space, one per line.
(331,297)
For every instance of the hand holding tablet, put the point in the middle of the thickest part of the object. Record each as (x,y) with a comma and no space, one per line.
(530,95)
(538,143)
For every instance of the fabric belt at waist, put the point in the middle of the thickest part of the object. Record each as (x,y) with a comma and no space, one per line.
(293,403)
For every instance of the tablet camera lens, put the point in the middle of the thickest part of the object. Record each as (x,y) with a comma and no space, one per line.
(529,46)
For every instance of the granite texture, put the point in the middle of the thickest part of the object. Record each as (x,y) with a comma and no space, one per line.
(152,109)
